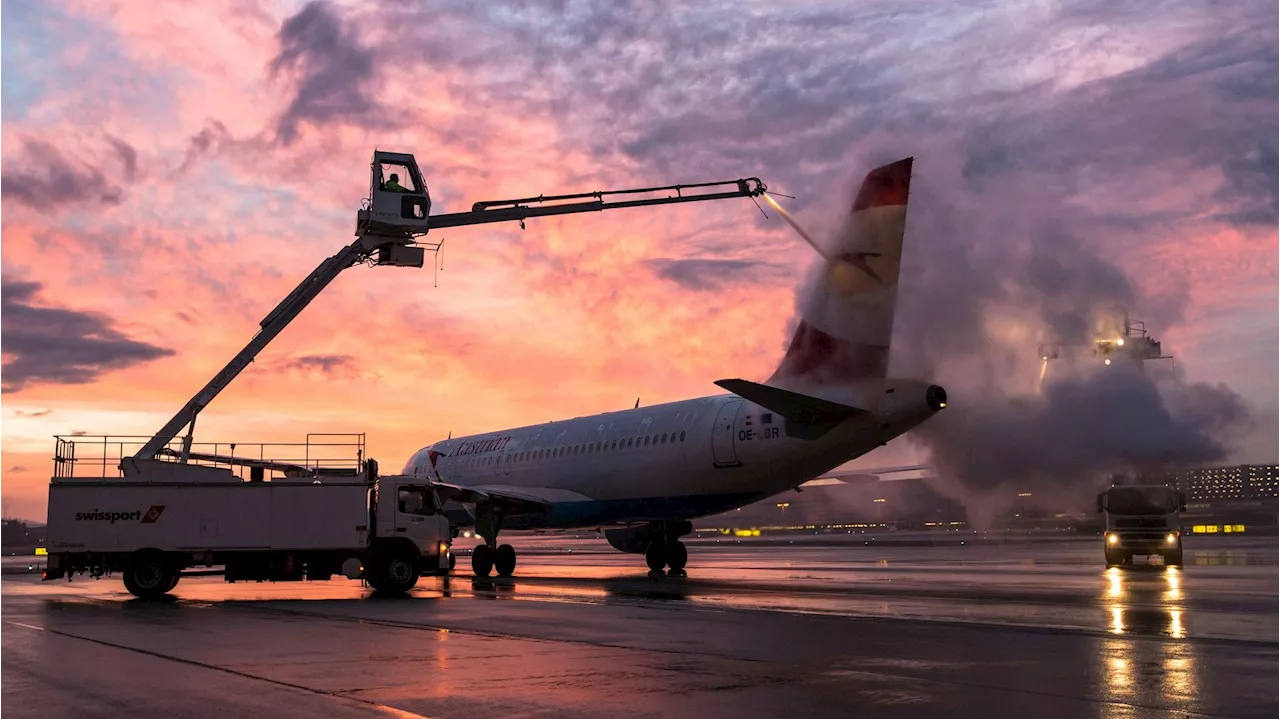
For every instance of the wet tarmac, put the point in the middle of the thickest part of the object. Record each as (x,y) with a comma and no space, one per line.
(756,630)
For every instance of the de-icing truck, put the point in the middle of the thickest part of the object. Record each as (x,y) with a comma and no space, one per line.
(150,507)
(311,520)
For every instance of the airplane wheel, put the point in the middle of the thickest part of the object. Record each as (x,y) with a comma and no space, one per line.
(504,560)
(656,556)
(482,560)
(677,556)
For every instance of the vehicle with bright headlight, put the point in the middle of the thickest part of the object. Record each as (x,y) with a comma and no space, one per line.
(1142,520)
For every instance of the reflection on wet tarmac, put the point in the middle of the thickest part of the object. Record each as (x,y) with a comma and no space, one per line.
(1050,588)
(1056,585)
(1124,642)
(1146,674)
(1145,600)
(1173,577)
(491,588)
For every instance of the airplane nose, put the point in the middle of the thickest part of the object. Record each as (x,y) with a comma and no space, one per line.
(936,397)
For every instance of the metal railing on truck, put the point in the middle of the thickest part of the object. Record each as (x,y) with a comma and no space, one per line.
(322,454)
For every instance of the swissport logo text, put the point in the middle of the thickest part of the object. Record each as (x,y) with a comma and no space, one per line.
(137,515)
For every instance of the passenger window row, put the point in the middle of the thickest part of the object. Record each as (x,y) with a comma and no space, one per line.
(588,448)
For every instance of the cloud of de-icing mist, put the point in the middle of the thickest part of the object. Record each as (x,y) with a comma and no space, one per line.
(987,277)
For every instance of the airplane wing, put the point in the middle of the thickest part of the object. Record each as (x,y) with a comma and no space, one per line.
(510,500)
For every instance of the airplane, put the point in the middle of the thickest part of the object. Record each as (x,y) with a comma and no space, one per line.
(642,474)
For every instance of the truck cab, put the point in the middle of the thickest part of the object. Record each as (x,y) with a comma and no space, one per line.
(1141,520)
(409,527)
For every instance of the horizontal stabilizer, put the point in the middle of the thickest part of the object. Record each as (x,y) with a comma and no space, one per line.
(863,476)
(792,405)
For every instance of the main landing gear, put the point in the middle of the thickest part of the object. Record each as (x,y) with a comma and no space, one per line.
(658,541)
(491,555)
(665,548)
(666,553)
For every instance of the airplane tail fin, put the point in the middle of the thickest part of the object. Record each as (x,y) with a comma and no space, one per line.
(846,316)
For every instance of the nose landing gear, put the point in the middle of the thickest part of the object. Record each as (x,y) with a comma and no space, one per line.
(502,558)
(491,555)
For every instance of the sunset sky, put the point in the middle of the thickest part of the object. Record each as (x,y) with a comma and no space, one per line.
(171,170)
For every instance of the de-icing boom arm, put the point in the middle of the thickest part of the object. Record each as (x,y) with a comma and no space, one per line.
(393,246)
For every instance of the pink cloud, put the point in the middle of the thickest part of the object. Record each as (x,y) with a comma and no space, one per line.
(219,219)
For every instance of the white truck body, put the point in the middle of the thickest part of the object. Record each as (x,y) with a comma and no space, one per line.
(116,516)
(159,517)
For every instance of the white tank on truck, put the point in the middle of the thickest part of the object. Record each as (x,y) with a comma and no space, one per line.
(1142,520)
(311,521)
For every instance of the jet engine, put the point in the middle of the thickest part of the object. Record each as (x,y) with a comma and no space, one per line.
(635,540)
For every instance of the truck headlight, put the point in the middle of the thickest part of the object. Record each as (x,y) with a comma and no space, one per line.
(1170,539)
(1113,538)
(444,547)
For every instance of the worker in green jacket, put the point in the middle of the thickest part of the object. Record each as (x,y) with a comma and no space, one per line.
(393,185)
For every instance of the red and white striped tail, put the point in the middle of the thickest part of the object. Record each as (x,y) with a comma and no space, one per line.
(846,319)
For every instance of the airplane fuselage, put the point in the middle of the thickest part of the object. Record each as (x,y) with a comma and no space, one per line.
(669,462)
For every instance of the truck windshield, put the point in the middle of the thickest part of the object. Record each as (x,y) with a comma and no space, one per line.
(1133,500)
(416,500)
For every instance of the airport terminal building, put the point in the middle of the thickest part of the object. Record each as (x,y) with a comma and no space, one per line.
(1233,497)
(1243,482)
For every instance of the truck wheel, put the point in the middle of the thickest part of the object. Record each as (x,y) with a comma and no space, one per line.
(148,576)
(395,574)
(1173,559)
(173,582)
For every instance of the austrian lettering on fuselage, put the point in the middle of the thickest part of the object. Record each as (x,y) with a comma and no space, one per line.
(489,445)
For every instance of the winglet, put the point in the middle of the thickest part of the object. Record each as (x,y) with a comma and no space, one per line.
(792,405)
